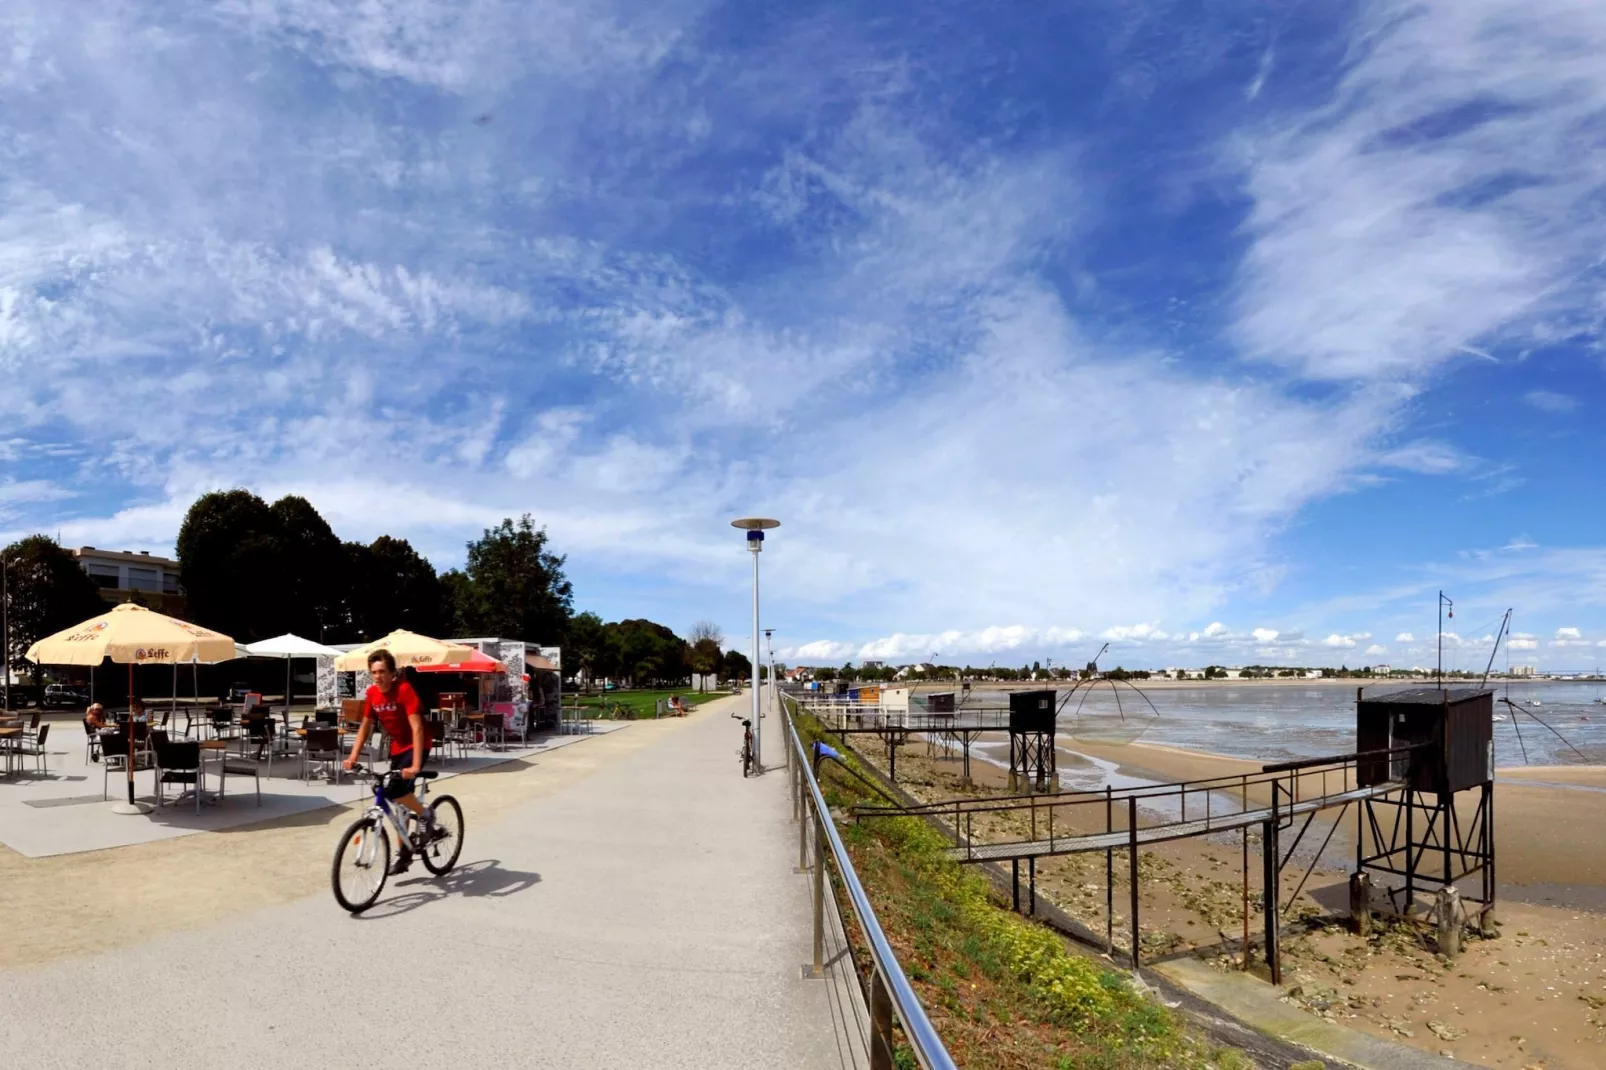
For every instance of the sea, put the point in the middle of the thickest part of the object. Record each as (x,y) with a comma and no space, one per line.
(1547,722)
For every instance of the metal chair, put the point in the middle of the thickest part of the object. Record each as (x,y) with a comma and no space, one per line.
(495,722)
(114,757)
(222,722)
(23,747)
(240,768)
(322,745)
(179,763)
(91,742)
(259,731)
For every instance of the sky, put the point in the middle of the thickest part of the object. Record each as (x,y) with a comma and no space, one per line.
(1221,332)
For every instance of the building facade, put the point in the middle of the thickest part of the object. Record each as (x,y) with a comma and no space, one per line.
(122,575)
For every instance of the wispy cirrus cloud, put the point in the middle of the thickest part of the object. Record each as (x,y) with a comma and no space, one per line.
(1438,199)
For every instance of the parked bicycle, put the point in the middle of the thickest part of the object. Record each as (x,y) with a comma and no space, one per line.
(362,859)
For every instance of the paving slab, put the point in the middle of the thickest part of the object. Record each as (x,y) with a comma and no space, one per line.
(645,915)
(68,808)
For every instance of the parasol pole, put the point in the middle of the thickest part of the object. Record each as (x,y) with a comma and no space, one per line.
(130,765)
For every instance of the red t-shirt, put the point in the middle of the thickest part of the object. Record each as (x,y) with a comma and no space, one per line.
(393,710)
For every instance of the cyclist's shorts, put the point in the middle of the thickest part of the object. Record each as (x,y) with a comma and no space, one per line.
(396,785)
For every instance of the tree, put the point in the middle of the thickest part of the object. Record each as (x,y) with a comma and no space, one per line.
(232,562)
(706,643)
(392,587)
(517,587)
(736,666)
(47,591)
(647,652)
(585,644)
(457,598)
(313,569)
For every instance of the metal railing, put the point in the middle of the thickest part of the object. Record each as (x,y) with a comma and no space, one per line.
(1187,808)
(890,991)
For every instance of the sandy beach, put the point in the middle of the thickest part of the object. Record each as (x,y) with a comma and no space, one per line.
(1531,997)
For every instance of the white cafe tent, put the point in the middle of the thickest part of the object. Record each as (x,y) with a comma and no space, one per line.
(288,646)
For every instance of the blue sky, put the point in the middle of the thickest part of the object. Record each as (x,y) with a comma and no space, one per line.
(1226,332)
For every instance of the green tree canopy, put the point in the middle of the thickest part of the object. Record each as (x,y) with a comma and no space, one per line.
(516,585)
(233,564)
(736,666)
(47,591)
(314,569)
(393,586)
(585,645)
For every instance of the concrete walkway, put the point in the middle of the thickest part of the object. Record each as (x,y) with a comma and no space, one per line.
(644,915)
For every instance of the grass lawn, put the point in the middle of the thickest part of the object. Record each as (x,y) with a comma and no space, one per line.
(642,703)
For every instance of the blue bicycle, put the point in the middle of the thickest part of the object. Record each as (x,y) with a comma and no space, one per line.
(362,860)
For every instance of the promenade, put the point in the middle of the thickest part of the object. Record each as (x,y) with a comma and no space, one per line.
(627,901)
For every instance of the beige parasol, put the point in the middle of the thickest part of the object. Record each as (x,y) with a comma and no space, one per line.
(133,635)
(408,648)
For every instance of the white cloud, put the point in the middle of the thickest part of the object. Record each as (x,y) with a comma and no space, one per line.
(821,651)
(1339,641)
(1132,633)
(1439,199)
(1550,401)
(1517,643)
(1405,637)
(1216,630)
(1427,458)
(1375,649)
(1264,635)
(1568,633)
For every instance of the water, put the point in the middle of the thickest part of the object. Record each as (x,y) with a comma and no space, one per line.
(1277,722)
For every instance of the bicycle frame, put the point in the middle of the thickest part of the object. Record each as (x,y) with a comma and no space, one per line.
(395,815)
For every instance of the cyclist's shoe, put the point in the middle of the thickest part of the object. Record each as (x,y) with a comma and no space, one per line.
(437,832)
(403,863)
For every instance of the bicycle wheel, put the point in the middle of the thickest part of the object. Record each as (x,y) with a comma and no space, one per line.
(441,855)
(362,862)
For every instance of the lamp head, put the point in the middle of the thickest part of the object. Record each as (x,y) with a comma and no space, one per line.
(755,526)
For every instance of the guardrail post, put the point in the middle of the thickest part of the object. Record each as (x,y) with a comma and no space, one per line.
(1132,863)
(819,893)
(802,823)
(880,1023)
(1109,875)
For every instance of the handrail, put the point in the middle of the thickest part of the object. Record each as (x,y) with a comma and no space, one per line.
(1267,776)
(923,1039)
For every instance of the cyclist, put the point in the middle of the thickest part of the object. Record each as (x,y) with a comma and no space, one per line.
(394,704)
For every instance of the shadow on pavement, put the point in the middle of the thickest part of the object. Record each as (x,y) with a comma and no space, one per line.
(476,879)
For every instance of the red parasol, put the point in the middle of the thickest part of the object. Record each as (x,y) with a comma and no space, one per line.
(476,662)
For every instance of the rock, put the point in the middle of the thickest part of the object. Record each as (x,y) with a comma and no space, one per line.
(1446,1032)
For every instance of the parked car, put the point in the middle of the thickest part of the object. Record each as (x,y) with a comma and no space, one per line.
(64,696)
(238,691)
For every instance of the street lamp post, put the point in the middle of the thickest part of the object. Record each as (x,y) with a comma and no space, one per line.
(756,526)
(769,656)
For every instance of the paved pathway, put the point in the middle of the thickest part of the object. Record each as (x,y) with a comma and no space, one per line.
(645,915)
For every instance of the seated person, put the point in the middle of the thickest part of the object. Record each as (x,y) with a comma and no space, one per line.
(136,708)
(677,707)
(95,716)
